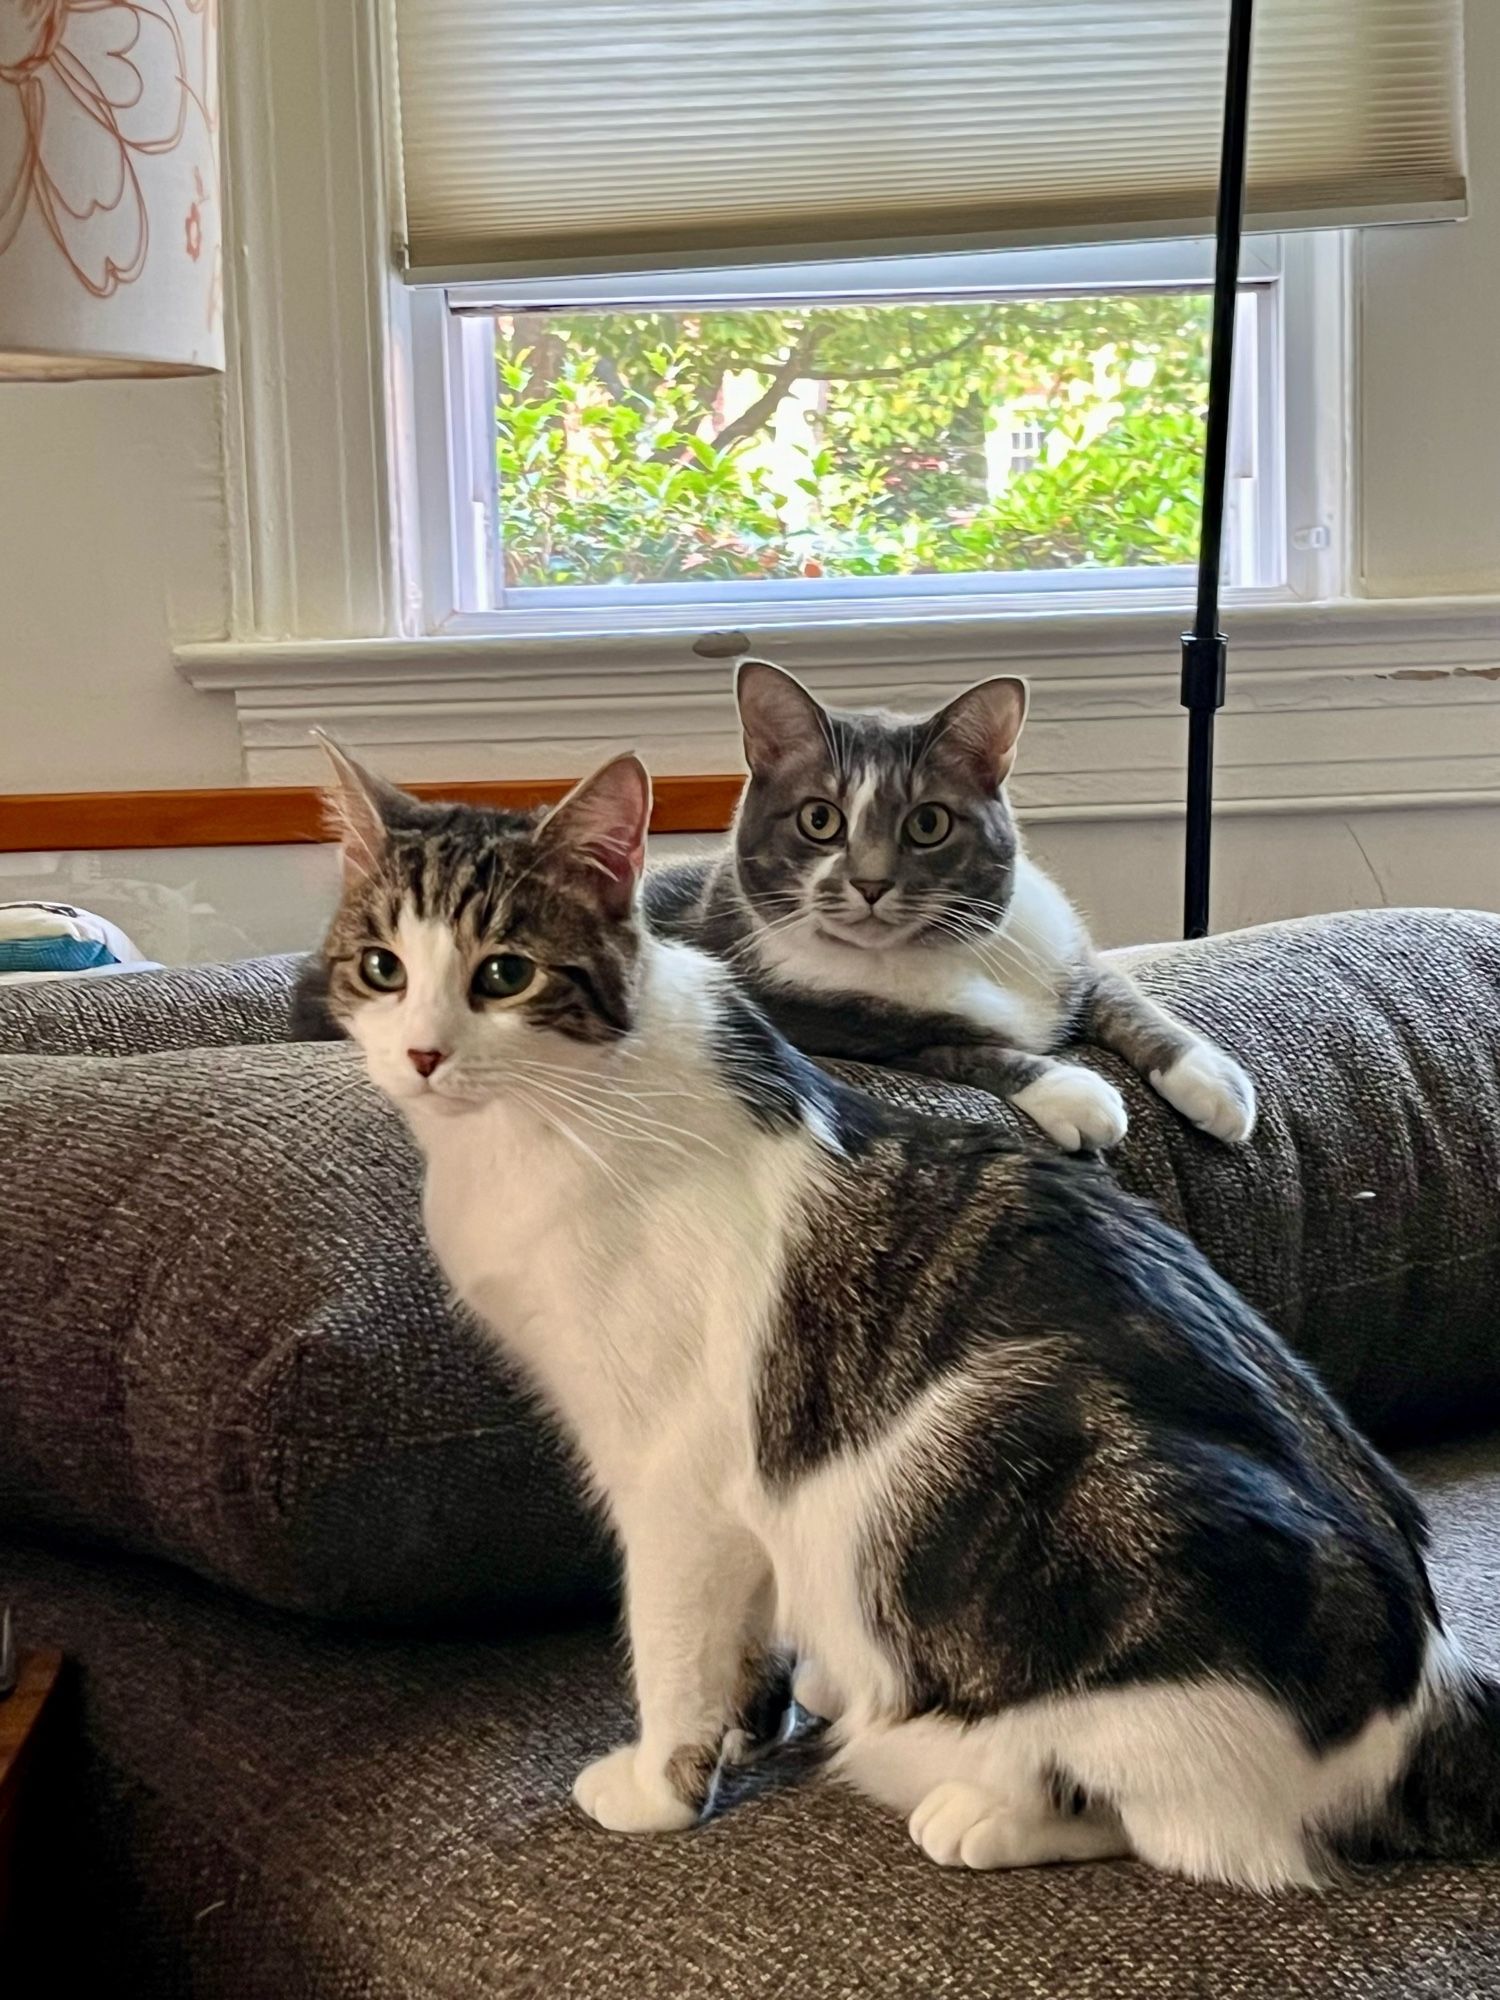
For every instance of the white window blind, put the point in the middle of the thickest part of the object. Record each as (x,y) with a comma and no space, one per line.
(615,134)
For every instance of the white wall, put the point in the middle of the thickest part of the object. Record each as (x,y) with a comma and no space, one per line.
(190,904)
(1128,879)
(111,544)
(1428,334)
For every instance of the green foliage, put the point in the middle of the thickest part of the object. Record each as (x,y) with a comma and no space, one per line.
(637,447)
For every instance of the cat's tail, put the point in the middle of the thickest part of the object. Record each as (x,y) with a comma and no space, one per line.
(1445,1806)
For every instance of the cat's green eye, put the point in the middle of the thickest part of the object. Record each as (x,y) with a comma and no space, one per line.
(820,820)
(381,970)
(928,826)
(506,976)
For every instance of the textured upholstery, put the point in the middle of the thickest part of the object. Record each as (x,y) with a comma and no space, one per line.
(183,1007)
(223,1339)
(258,1809)
(225,1342)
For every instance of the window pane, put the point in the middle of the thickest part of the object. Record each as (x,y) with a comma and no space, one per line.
(896,439)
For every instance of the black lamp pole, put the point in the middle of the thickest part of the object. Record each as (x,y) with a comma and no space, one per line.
(1204,649)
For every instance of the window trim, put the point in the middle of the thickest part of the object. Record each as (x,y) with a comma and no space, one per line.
(1145,266)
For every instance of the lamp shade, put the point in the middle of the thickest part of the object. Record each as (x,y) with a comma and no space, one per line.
(110,249)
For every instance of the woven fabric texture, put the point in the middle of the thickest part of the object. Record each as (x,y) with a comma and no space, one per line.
(178,1007)
(254,1808)
(224,1340)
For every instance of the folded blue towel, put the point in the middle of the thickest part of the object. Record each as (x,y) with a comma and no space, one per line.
(54,954)
(55,937)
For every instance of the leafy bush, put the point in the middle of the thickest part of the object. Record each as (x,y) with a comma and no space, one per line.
(644,447)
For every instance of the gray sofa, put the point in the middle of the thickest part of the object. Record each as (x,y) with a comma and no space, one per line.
(339,1629)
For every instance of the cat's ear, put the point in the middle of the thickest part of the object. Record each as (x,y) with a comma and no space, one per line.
(602,824)
(978,731)
(779,717)
(360,809)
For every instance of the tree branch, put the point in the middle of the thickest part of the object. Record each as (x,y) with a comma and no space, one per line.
(748,422)
(801,363)
(765,407)
(970,339)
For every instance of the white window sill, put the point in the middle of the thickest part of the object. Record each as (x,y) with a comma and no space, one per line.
(1353,700)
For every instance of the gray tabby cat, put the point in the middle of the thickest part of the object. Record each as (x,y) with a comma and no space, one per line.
(1090,1563)
(876,899)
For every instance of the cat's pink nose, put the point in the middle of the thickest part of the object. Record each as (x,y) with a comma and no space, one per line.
(425,1061)
(871,891)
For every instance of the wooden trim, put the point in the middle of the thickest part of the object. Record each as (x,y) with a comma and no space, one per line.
(268,815)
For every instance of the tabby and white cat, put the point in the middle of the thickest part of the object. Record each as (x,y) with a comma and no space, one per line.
(876,899)
(1094,1565)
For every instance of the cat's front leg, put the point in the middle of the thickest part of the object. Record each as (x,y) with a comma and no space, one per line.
(816,1691)
(1194,1075)
(1078,1110)
(698,1605)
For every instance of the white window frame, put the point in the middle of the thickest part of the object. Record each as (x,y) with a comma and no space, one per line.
(1301,473)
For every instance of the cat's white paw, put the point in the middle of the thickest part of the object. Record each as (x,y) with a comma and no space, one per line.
(626,1795)
(814,1691)
(1075,1107)
(964,1826)
(1211,1091)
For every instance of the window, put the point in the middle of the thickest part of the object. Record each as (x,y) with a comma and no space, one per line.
(1004,426)
(366,592)
(1028,438)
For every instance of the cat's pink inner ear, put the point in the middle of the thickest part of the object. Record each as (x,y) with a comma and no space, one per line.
(603,823)
(778,716)
(980,730)
(352,808)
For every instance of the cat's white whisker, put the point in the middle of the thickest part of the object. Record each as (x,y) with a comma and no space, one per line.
(749,949)
(1004,928)
(611,1134)
(628,1126)
(566,1131)
(601,1080)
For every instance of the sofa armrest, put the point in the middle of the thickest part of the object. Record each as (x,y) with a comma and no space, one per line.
(143,1013)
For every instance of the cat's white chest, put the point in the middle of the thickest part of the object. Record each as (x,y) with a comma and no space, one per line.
(1012,985)
(526,1241)
(631,1290)
(506,1240)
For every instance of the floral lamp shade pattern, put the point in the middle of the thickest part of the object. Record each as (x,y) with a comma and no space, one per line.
(110,255)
